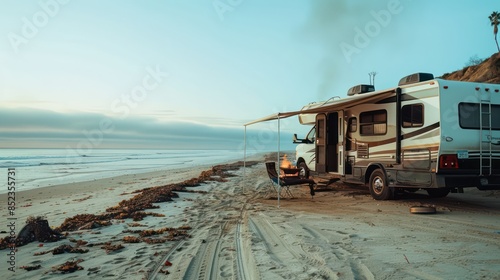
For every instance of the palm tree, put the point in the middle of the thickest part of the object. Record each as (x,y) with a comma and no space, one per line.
(495,20)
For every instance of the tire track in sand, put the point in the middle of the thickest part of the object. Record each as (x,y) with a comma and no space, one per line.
(289,252)
(343,253)
(219,248)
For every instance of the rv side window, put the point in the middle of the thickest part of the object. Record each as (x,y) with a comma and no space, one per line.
(353,125)
(412,115)
(468,114)
(373,122)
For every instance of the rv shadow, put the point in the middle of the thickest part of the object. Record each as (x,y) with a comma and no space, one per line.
(474,200)
(347,188)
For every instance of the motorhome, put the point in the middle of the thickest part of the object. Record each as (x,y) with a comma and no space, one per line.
(426,133)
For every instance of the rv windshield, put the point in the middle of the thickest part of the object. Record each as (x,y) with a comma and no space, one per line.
(311,135)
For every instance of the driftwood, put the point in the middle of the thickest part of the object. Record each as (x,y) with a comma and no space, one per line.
(36,229)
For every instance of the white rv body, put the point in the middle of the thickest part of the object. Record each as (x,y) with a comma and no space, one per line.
(437,135)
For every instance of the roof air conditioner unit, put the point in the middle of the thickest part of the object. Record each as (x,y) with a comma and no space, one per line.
(359,89)
(415,78)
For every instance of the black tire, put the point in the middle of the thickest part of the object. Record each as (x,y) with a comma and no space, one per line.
(304,171)
(379,188)
(441,192)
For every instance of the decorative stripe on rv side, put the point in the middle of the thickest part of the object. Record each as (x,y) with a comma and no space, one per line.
(408,97)
(313,158)
(420,131)
(404,136)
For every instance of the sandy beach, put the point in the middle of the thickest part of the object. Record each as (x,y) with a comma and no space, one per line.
(235,230)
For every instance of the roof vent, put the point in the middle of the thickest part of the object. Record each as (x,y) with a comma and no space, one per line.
(360,89)
(415,78)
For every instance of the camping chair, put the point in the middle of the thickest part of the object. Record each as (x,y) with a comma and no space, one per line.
(285,181)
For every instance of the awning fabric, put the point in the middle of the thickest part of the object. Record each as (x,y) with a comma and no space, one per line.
(334,105)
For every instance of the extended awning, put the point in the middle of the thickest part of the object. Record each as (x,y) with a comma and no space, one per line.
(331,106)
(274,117)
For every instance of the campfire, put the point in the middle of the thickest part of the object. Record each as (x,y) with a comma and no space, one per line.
(287,168)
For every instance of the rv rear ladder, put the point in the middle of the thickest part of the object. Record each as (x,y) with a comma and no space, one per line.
(482,129)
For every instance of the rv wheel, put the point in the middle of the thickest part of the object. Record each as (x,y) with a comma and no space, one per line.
(304,171)
(378,186)
(442,192)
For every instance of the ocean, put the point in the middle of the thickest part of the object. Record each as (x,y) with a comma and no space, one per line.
(35,168)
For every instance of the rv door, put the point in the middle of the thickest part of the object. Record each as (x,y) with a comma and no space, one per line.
(321,143)
(330,142)
(340,143)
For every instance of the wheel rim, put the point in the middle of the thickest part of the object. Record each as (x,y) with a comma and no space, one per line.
(378,185)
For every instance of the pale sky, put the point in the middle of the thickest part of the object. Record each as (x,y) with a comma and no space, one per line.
(189,74)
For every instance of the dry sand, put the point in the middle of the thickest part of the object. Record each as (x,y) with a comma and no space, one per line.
(238,232)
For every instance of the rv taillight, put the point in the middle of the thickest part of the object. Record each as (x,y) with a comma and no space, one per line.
(448,161)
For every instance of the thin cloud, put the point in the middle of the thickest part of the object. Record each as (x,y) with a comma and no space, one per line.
(34,128)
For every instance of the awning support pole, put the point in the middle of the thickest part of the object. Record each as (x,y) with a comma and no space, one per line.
(244,157)
(244,152)
(279,164)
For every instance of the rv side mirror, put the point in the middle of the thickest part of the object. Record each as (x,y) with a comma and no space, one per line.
(299,141)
